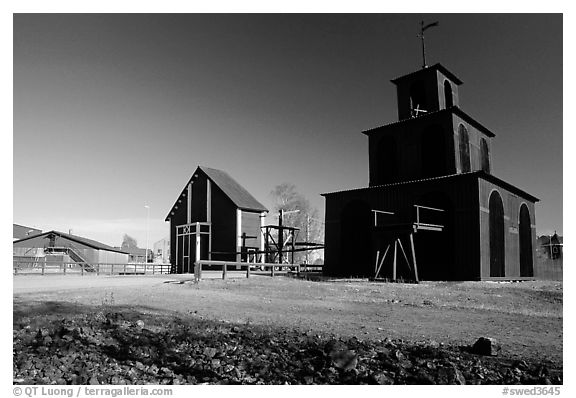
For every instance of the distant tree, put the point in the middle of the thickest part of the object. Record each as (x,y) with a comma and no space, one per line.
(286,197)
(129,242)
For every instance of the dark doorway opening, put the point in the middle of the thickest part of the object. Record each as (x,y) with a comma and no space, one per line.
(418,99)
(496,227)
(525,236)
(356,222)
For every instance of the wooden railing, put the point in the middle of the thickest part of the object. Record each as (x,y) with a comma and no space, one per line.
(36,266)
(248,267)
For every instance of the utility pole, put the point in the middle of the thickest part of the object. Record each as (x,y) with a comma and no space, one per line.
(147,217)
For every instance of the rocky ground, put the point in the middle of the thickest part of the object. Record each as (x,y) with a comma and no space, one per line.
(113,346)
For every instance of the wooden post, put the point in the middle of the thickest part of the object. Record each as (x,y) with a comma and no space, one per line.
(404,253)
(153,269)
(124,269)
(382,261)
(414,258)
(81,269)
(273,270)
(64,268)
(248,271)
(97,269)
(145,268)
(394,264)
(112,269)
(43,266)
(224,267)
(376,263)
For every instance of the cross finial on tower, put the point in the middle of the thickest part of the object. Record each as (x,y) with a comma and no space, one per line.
(422,29)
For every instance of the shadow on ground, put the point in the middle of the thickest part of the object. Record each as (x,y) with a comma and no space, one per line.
(64,343)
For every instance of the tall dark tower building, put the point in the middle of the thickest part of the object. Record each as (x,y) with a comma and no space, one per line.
(433,210)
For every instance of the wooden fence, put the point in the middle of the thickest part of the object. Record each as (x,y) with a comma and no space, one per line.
(40,267)
(248,267)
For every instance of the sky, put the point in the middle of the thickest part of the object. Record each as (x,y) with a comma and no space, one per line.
(115,112)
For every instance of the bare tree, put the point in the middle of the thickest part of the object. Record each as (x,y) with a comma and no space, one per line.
(287,198)
(129,242)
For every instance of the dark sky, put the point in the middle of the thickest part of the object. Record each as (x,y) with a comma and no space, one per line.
(112,112)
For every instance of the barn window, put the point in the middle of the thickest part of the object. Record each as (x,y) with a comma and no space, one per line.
(484,156)
(433,152)
(387,160)
(525,235)
(496,228)
(464,148)
(448,94)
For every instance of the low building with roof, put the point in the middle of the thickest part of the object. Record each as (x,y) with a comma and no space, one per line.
(67,248)
(22,231)
(214,218)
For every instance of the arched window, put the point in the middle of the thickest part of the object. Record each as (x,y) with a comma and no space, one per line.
(433,152)
(464,148)
(356,221)
(418,98)
(496,227)
(484,156)
(525,235)
(387,160)
(448,94)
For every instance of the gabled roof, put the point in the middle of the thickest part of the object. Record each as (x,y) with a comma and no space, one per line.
(478,173)
(241,198)
(78,239)
(454,109)
(439,67)
(22,231)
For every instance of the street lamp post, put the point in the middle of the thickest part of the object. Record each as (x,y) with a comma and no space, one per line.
(147,218)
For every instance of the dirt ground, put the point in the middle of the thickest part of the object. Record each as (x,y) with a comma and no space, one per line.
(525,317)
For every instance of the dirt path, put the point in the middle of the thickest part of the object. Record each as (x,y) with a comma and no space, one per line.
(525,317)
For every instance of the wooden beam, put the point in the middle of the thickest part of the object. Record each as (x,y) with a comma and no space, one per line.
(414,257)
(404,253)
(394,264)
(382,262)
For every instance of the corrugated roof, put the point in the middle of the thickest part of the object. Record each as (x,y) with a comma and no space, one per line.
(454,109)
(79,239)
(478,173)
(232,189)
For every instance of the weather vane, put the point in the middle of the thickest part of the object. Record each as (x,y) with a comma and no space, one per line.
(421,35)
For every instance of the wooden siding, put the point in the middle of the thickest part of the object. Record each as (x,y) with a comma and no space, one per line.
(461,192)
(512,203)
(223,225)
(410,149)
(474,137)
(251,227)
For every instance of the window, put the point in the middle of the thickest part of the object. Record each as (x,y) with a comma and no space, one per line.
(464,149)
(448,94)
(484,156)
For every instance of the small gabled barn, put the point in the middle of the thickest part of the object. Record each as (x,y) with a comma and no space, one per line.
(214,218)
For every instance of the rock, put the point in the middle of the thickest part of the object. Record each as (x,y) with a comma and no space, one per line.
(382,378)
(486,346)
(140,323)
